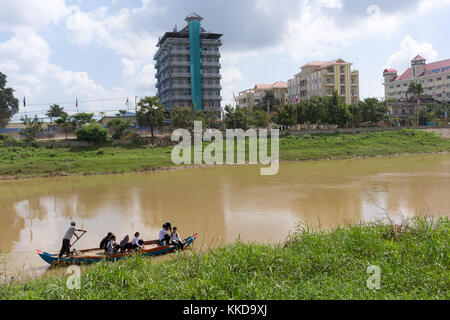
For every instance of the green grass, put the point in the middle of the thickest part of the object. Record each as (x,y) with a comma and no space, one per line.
(414,262)
(19,160)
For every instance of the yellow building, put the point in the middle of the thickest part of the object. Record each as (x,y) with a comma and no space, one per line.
(321,78)
(249,98)
(434,78)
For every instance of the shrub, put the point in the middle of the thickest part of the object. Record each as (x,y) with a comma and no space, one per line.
(92,132)
(119,127)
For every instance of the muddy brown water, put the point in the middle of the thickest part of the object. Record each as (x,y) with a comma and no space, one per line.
(221,204)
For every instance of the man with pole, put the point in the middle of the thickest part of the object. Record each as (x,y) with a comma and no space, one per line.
(65,249)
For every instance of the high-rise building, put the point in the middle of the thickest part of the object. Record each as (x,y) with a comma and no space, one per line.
(251,97)
(188,67)
(434,78)
(321,78)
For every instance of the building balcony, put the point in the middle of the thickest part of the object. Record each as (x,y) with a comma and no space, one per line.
(212,97)
(212,86)
(180,75)
(181,86)
(211,64)
(180,63)
(212,75)
(178,51)
(181,97)
(329,84)
(211,53)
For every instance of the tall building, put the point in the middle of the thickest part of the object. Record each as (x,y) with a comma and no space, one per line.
(188,67)
(249,98)
(321,78)
(434,77)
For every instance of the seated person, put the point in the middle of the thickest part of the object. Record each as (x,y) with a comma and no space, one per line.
(125,244)
(164,236)
(176,240)
(112,247)
(105,241)
(137,243)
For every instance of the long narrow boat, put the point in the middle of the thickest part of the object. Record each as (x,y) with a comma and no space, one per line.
(87,256)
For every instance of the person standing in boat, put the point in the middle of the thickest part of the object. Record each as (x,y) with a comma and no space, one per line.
(65,249)
(164,234)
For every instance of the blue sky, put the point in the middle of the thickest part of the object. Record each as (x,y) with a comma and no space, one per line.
(102,51)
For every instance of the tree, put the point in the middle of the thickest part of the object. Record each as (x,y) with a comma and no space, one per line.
(182,118)
(83,118)
(55,111)
(92,132)
(122,113)
(237,118)
(372,110)
(151,113)
(211,119)
(66,122)
(33,128)
(415,88)
(285,116)
(9,105)
(259,119)
(119,128)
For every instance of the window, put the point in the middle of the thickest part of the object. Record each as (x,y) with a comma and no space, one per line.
(439,79)
(430,80)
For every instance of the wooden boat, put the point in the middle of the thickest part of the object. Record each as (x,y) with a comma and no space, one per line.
(87,256)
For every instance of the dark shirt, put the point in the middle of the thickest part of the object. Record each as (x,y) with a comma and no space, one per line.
(104,242)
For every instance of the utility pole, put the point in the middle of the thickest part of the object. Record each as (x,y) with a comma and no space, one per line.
(135,112)
(268,115)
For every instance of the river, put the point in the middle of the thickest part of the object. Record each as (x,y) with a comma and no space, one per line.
(222,204)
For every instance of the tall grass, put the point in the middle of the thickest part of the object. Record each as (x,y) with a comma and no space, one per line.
(414,262)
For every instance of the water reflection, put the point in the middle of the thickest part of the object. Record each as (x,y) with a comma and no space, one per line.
(219,203)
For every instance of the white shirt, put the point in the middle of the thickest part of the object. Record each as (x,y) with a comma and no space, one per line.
(162,234)
(110,247)
(175,236)
(135,241)
(69,233)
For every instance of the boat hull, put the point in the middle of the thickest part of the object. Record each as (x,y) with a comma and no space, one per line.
(55,260)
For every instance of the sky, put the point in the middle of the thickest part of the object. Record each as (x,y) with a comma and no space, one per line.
(101,51)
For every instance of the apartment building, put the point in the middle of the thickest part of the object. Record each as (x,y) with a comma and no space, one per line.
(434,78)
(188,67)
(321,78)
(250,97)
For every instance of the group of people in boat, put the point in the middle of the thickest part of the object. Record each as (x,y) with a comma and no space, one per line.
(167,236)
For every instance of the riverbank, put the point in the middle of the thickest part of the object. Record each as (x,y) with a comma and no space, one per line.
(413,261)
(21,161)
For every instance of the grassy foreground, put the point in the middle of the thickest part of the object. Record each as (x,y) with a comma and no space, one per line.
(18,160)
(413,259)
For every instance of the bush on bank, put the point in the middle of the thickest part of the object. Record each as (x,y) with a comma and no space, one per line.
(413,260)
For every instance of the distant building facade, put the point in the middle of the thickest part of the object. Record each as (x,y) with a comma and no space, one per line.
(434,78)
(321,78)
(410,108)
(250,97)
(188,67)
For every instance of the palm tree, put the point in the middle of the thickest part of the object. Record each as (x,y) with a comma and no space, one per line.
(55,111)
(416,89)
(151,113)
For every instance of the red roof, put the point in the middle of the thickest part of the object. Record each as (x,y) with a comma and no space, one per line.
(430,68)
(389,70)
(276,85)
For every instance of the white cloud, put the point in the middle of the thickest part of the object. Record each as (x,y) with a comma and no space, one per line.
(25,60)
(409,48)
(18,14)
